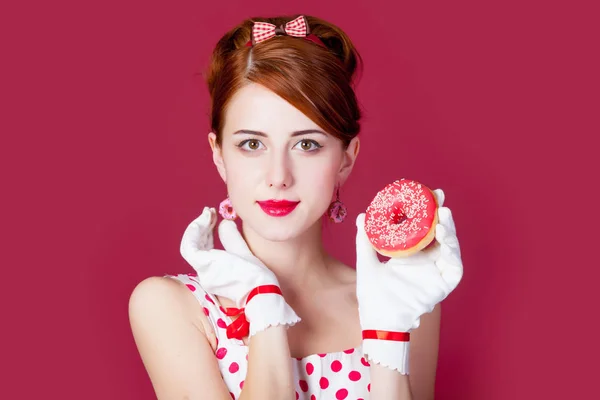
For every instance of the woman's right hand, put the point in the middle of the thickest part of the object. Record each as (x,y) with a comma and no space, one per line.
(235,273)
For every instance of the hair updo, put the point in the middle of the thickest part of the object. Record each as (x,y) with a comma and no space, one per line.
(317,81)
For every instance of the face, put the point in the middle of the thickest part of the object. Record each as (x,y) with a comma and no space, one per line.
(281,169)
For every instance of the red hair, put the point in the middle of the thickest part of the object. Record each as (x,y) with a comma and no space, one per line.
(316,80)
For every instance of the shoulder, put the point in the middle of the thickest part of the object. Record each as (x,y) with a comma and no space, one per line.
(163,300)
(155,291)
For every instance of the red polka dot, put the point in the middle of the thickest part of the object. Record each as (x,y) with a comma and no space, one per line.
(336,366)
(246,357)
(297,395)
(299,358)
(310,368)
(341,394)
(232,395)
(217,341)
(222,310)
(313,397)
(206,311)
(241,384)
(191,287)
(360,399)
(221,353)
(207,297)
(369,387)
(234,367)
(304,385)
(349,351)
(322,355)
(324,383)
(364,362)
(354,376)
(221,323)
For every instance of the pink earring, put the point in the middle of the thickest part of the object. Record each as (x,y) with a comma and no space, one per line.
(337,210)
(226,209)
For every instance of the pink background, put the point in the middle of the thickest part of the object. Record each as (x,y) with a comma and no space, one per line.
(105,161)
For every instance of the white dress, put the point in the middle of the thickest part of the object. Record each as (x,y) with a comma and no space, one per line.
(340,375)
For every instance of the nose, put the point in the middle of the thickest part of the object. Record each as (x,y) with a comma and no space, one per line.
(279,171)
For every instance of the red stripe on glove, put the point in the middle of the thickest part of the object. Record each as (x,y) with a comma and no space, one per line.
(386,335)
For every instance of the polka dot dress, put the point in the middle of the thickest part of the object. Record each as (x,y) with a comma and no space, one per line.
(337,376)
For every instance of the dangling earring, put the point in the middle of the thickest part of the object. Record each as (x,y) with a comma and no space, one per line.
(337,210)
(226,209)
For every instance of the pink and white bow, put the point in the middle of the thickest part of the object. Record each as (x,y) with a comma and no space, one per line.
(262,31)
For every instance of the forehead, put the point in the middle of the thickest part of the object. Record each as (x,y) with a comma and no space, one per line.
(255,107)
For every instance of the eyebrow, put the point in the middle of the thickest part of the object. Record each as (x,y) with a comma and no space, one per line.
(295,133)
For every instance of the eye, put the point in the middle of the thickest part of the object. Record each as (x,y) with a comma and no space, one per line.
(308,145)
(250,145)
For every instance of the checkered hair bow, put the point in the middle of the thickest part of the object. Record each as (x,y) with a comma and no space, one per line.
(298,27)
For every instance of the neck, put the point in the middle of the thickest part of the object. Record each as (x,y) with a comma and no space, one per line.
(298,264)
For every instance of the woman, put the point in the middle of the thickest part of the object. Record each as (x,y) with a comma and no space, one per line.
(273,316)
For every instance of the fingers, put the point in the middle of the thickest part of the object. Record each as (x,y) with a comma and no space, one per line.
(423,256)
(440,233)
(449,261)
(215,268)
(451,270)
(198,235)
(445,219)
(443,235)
(444,213)
(207,220)
(446,230)
(232,239)
(439,196)
(365,253)
(450,267)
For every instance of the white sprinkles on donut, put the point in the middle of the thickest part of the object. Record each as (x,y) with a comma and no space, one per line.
(400,216)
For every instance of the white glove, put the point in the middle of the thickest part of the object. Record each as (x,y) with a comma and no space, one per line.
(235,273)
(393,295)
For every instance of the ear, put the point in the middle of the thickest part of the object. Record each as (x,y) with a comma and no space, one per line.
(348,160)
(217,155)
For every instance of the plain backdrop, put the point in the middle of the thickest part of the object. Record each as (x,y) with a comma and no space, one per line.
(105,161)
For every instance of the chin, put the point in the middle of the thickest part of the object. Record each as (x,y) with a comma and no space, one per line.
(277,235)
(280,229)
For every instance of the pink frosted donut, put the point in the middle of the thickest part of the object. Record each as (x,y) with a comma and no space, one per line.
(401,219)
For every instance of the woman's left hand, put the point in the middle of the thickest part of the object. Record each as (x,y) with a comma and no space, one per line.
(393,295)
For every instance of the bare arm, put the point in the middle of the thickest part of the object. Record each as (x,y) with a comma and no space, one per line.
(420,383)
(171,336)
(269,367)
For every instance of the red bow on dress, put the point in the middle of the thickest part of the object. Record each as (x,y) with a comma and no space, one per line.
(241,327)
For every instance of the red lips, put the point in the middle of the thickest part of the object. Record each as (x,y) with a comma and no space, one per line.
(278,208)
